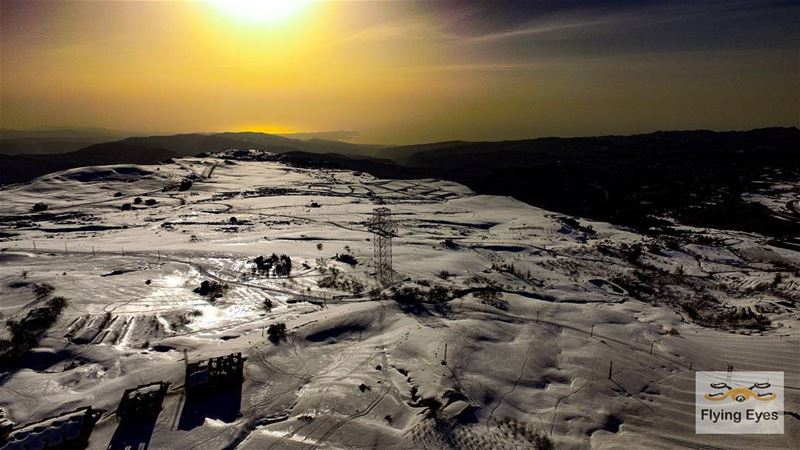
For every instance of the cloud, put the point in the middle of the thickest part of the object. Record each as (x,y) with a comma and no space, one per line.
(520,35)
(625,29)
(417,29)
(550,27)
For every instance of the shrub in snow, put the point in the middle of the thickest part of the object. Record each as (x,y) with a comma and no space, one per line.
(409,294)
(438,294)
(43,289)
(211,289)
(492,296)
(333,279)
(449,244)
(281,265)
(39,207)
(25,332)
(575,225)
(276,332)
(347,259)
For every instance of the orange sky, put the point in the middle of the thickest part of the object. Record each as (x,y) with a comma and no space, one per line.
(396,72)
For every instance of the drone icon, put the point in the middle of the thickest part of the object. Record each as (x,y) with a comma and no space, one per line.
(740,394)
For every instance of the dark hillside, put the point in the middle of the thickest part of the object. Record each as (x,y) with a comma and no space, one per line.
(20,168)
(695,177)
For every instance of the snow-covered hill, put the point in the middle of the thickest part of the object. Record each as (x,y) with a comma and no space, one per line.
(498,330)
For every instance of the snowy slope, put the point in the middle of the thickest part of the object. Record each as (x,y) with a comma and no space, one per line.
(463,373)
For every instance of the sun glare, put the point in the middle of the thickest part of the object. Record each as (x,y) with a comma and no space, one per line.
(262,11)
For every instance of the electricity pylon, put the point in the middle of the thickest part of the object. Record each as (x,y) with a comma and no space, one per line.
(383,229)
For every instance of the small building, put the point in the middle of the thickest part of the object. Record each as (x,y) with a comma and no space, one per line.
(142,401)
(215,372)
(64,432)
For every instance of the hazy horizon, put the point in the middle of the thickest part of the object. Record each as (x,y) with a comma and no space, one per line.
(351,136)
(400,72)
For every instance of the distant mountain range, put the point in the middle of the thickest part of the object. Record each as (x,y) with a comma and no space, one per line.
(20,167)
(698,177)
(54,139)
(70,139)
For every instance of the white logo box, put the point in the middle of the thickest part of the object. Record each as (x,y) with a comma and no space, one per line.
(748,403)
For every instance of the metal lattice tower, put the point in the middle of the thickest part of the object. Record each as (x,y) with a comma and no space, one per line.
(383,229)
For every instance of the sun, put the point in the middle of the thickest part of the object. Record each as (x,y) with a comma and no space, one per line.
(262,11)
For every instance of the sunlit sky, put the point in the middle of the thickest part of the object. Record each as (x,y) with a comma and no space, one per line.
(401,72)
